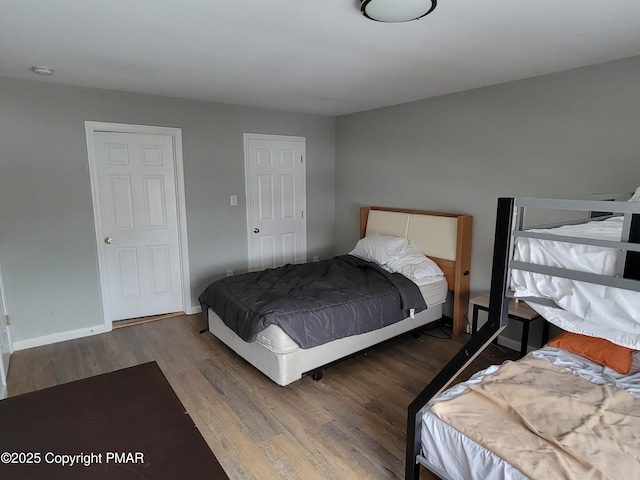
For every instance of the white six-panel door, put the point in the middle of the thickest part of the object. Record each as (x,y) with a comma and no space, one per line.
(138,220)
(276,195)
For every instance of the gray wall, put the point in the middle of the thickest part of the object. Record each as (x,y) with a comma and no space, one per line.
(574,132)
(569,133)
(47,239)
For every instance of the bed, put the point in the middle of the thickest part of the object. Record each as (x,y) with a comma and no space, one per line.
(551,414)
(277,346)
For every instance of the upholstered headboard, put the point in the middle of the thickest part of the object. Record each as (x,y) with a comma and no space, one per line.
(443,237)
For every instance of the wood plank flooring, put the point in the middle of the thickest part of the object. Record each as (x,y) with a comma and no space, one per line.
(349,425)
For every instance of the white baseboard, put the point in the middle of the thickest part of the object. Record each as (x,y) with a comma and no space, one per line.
(59,337)
(3,391)
(193,310)
(72,334)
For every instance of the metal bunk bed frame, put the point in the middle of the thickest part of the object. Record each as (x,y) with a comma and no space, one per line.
(510,224)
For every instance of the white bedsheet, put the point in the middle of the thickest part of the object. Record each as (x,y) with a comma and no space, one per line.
(589,309)
(451,453)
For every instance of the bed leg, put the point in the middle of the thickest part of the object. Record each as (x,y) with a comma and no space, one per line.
(206,318)
(317,375)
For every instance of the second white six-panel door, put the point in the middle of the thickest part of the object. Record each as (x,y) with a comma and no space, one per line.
(276,195)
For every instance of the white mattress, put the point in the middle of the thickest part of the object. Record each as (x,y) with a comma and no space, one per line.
(433,289)
(452,455)
(586,308)
(276,355)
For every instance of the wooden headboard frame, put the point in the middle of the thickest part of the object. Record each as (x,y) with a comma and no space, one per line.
(443,237)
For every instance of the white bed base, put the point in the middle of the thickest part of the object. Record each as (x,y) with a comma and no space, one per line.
(286,367)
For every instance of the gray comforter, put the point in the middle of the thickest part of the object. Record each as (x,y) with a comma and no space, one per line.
(314,303)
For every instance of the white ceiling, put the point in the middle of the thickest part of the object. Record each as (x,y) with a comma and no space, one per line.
(317,56)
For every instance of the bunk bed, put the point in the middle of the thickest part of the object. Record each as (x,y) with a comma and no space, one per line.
(284,352)
(513,421)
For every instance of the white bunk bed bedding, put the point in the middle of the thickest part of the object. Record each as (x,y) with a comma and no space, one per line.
(583,305)
(463,458)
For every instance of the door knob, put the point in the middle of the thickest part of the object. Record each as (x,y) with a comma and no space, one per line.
(256,230)
(108,240)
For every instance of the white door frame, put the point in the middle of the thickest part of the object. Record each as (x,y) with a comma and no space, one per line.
(287,138)
(176,134)
(4,315)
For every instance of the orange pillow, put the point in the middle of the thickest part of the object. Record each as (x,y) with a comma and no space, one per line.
(596,349)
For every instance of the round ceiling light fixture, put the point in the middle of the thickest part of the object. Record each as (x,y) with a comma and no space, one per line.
(395,11)
(42,70)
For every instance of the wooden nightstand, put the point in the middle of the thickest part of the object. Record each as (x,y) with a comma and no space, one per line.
(519,311)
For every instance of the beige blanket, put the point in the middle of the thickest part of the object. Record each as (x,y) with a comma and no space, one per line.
(550,423)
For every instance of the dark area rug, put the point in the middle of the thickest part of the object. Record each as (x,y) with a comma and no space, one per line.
(125,425)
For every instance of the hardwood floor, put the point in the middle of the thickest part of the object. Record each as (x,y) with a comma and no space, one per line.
(349,425)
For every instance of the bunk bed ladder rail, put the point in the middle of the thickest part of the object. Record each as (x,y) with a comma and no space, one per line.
(497,321)
(628,260)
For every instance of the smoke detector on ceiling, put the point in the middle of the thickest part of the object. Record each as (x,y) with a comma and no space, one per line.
(42,70)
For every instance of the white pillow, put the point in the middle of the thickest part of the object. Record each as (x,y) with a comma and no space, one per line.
(414,264)
(636,196)
(379,248)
